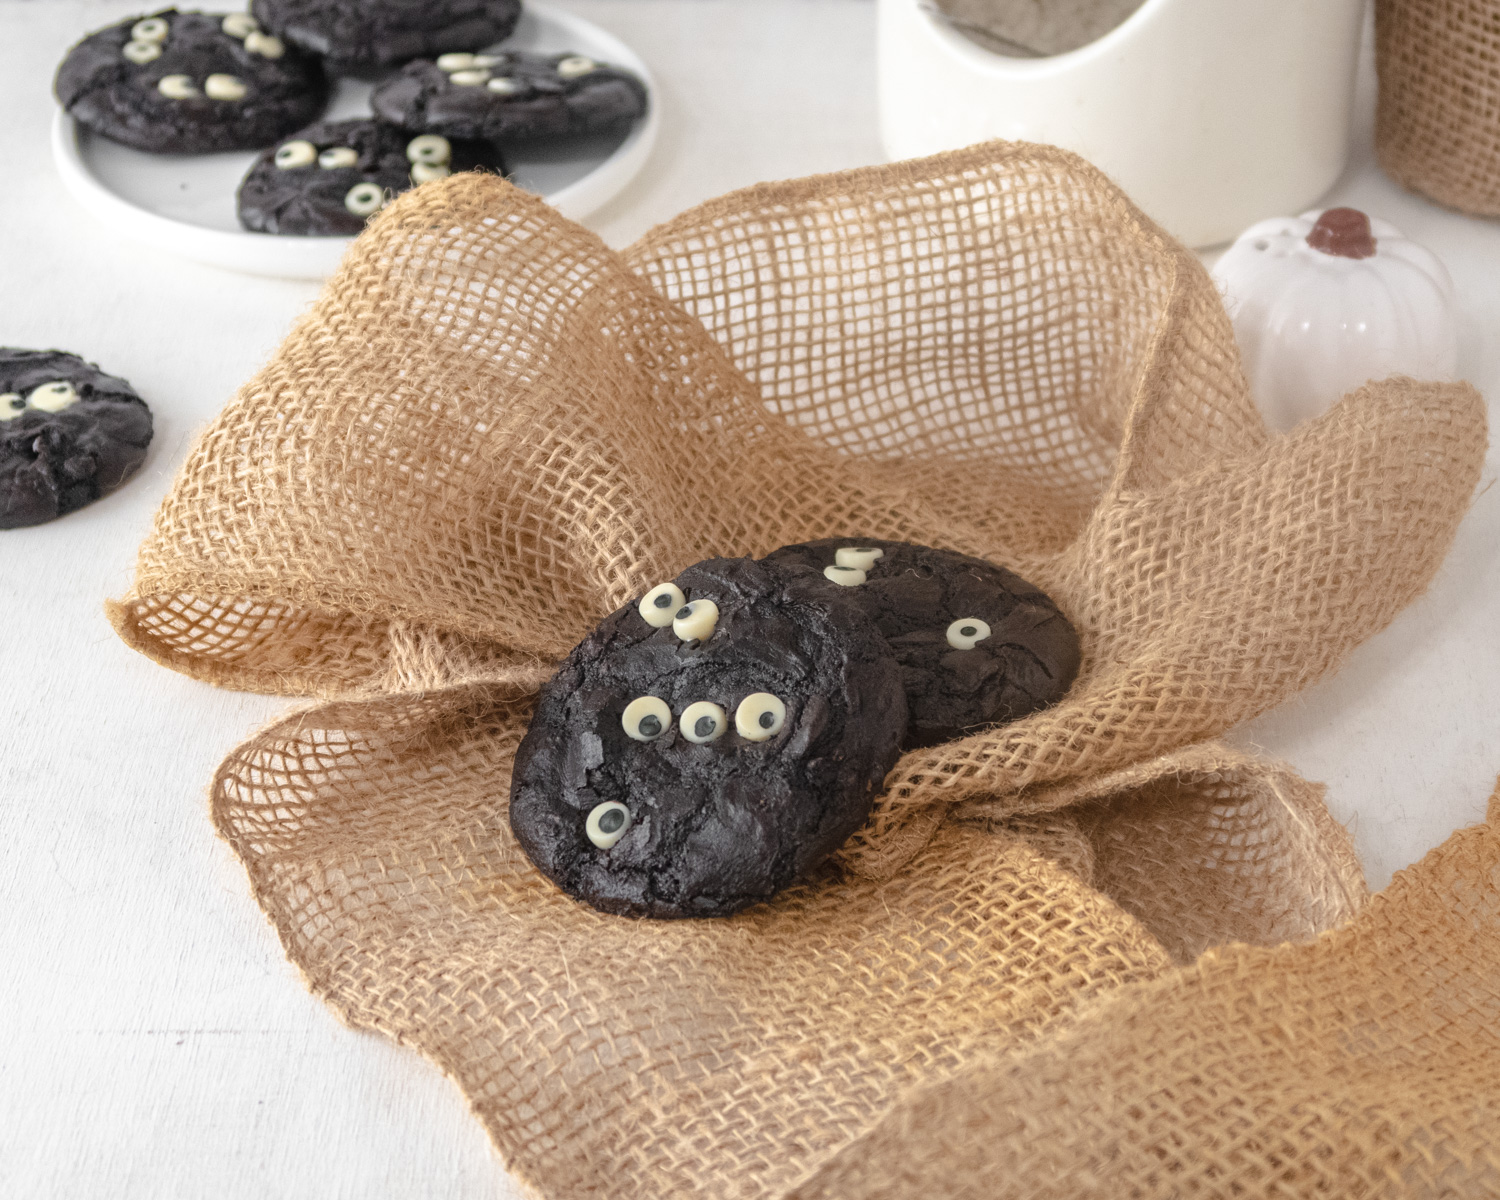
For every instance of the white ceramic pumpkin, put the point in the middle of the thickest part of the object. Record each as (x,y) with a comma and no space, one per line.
(1323,302)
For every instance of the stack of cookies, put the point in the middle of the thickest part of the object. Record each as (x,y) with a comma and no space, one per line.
(725,733)
(191,83)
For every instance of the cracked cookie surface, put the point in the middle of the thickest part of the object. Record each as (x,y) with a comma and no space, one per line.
(694,757)
(69,433)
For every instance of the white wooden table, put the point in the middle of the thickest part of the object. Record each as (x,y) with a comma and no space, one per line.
(153,1040)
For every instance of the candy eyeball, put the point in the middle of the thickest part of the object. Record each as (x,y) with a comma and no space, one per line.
(660,604)
(646,718)
(239,25)
(364,198)
(141,53)
(177,87)
(861,558)
(12,405)
(296,154)
(607,823)
(430,148)
(53,397)
(575,65)
(152,29)
(224,87)
(504,85)
(759,717)
(265,45)
(703,721)
(696,620)
(967,632)
(845,576)
(426,172)
(457,61)
(338,157)
(470,78)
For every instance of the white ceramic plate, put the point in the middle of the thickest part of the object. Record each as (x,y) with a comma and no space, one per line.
(184,204)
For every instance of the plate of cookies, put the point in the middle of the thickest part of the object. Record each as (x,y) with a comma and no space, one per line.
(261,141)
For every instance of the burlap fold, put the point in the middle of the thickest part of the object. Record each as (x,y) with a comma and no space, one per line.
(491,430)
(1366,1063)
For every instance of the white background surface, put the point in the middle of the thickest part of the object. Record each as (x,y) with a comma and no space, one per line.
(154,1042)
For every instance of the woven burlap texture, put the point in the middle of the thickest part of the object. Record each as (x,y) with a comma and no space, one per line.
(1437,126)
(491,430)
(1366,1064)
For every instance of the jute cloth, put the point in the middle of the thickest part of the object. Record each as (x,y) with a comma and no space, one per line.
(491,430)
(1437,127)
(1365,1064)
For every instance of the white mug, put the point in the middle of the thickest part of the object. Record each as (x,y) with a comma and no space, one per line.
(1211,114)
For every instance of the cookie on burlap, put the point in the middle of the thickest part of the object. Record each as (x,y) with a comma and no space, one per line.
(705,746)
(190,83)
(361,37)
(69,433)
(331,177)
(977,644)
(512,96)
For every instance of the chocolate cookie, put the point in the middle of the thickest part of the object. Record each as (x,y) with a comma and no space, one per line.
(190,83)
(364,37)
(706,745)
(511,97)
(68,434)
(977,644)
(330,177)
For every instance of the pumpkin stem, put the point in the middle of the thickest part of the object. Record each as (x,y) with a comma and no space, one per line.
(1344,232)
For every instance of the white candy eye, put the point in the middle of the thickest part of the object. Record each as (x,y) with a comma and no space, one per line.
(660,604)
(696,620)
(484,60)
(703,721)
(296,154)
(12,405)
(455,62)
(470,78)
(239,25)
(141,53)
(861,558)
(607,823)
(363,199)
(177,87)
(844,576)
(265,45)
(426,173)
(53,397)
(575,65)
(430,148)
(224,87)
(152,29)
(759,716)
(336,157)
(967,632)
(504,85)
(646,717)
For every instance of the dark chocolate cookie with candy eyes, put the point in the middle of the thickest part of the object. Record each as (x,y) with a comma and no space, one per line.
(708,744)
(331,177)
(512,96)
(69,433)
(190,83)
(977,644)
(365,37)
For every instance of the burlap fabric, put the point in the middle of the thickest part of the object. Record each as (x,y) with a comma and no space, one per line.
(1366,1064)
(491,430)
(1437,128)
